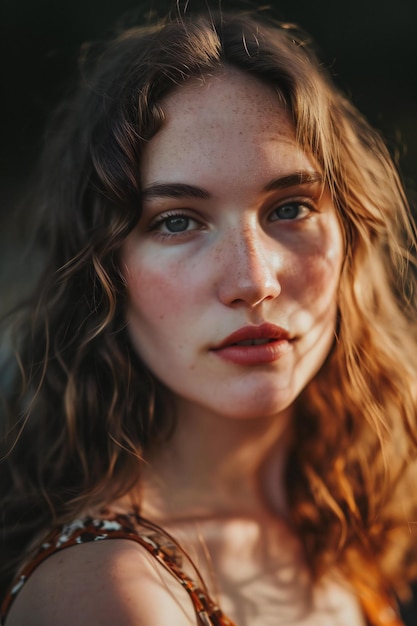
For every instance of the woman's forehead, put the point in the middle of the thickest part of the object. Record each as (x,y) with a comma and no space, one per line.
(227,126)
(230,94)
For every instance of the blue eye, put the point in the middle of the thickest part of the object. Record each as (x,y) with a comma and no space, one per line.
(177,223)
(290,211)
(174,225)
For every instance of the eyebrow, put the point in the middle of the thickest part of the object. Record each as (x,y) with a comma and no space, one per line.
(302,177)
(174,190)
(182,190)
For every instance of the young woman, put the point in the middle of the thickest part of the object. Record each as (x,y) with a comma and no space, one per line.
(218,366)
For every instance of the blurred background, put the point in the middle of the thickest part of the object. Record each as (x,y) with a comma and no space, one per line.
(369,45)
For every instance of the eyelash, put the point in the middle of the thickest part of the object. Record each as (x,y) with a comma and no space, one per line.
(302,203)
(162,219)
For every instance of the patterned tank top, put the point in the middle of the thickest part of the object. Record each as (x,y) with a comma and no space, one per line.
(379,609)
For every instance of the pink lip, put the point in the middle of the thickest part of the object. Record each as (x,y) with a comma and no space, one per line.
(278,345)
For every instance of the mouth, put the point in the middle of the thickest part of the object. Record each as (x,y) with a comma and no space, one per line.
(255,345)
(255,336)
(252,342)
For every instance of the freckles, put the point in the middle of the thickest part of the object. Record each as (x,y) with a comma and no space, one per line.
(314,278)
(322,263)
(157,295)
(157,292)
(323,273)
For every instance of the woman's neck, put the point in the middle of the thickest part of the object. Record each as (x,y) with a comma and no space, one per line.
(215,466)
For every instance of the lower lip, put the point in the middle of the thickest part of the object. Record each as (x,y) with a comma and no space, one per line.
(255,355)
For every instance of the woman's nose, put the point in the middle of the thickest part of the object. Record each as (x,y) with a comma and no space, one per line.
(250,269)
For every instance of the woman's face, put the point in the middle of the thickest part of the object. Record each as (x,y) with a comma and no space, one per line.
(232,271)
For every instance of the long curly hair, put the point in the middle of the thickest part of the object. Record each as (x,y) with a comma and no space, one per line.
(83,407)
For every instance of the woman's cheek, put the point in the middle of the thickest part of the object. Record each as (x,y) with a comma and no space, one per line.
(156,290)
(319,263)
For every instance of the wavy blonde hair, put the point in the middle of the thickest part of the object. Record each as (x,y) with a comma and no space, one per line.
(84,407)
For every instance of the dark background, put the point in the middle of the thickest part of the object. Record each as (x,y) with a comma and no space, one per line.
(370,46)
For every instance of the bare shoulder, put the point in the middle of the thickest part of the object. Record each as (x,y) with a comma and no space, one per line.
(106,583)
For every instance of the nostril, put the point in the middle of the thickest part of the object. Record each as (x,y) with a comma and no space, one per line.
(250,294)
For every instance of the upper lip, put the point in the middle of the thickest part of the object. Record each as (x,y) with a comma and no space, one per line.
(263,331)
